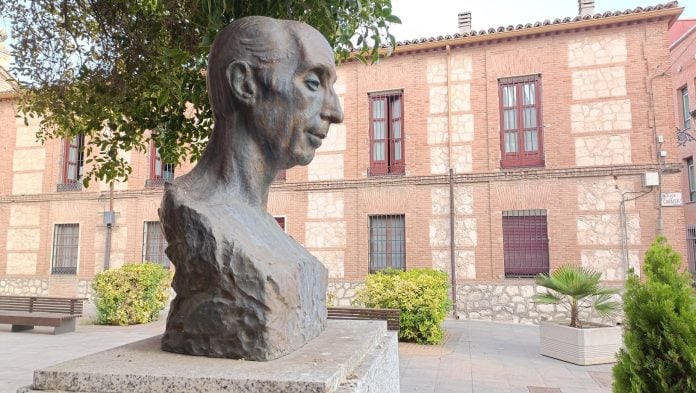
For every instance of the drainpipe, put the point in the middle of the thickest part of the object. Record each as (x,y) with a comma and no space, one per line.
(658,158)
(109,221)
(453,262)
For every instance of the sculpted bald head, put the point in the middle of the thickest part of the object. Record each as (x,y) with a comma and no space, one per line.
(272,80)
(270,46)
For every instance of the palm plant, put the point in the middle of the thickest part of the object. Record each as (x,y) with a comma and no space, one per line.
(575,288)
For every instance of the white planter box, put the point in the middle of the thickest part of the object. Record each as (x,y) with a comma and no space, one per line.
(594,345)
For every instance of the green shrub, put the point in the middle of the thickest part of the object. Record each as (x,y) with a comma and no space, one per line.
(659,352)
(420,294)
(132,294)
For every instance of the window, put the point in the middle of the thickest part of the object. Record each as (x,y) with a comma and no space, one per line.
(73,164)
(525,243)
(521,137)
(386,134)
(281,176)
(159,171)
(281,222)
(154,243)
(387,242)
(66,239)
(684,103)
(692,179)
(691,249)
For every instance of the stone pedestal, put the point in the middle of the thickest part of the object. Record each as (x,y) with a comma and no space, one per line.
(349,356)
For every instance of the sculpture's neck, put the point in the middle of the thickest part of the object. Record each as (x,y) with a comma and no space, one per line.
(235,165)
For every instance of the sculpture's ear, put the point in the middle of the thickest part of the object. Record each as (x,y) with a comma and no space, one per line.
(240,78)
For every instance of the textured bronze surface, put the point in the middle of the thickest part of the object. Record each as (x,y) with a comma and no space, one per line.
(245,289)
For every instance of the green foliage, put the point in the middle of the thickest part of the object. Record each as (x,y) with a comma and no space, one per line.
(420,294)
(132,294)
(575,288)
(111,69)
(659,352)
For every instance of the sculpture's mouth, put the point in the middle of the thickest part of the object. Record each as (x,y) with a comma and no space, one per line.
(315,137)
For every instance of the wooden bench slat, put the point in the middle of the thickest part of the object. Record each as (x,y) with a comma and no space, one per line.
(392,316)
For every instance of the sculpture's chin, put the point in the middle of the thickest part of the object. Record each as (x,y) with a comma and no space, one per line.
(304,158)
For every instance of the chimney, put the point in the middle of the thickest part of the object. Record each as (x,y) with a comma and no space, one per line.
(465,22)
(585,7)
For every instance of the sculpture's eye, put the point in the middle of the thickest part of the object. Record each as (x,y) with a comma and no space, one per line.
(313,83)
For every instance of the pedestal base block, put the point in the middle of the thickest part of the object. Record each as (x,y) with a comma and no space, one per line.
(349,356)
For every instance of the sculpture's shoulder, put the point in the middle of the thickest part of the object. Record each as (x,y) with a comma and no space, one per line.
(179,209)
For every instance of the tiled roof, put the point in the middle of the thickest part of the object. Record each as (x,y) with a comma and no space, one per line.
(547,22)
(7,84)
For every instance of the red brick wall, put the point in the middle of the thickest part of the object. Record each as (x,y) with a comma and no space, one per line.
(554,187)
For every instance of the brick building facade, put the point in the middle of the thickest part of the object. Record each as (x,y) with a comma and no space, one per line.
(548,129)
(683,69)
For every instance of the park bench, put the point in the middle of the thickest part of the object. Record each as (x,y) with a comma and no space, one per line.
(392,316)
(25,312)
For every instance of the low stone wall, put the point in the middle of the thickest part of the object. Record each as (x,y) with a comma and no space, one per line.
(24,286)
(509,301)
(84,289)
(342,293)
(512,302)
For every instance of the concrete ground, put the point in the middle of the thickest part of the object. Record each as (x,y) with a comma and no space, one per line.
(477,357)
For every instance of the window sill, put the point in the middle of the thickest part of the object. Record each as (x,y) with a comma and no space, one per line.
(64,271)
(511,167)
(155,183)
(390,174)
(68,187)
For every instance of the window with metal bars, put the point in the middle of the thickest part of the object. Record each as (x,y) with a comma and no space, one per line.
(66,239)
(684,104)
(525,243)
(386,133)
(387,242)
(73,159)
(160,172)
(692,178)
(691,249)
(154,243)
(521,136)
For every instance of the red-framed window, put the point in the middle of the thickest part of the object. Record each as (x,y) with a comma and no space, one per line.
(73,164)
(684,104)
(66,241)
(160,172)
(386,133)
(281,222)
(692,178)
(154,243)
(281,176)
(525,243)
(521,130)
(387,242)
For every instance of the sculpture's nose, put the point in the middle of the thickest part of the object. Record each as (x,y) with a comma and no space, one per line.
(332,111)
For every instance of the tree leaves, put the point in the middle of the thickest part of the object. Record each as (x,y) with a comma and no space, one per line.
(130,66)
(576,287)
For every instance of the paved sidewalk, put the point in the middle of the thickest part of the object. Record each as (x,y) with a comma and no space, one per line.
(490,357)
(477,357)
(22,353)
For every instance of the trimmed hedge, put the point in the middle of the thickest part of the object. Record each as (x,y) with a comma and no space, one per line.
(132,294)
(420,294)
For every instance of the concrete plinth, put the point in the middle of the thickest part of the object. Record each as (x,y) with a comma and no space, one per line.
(349,356)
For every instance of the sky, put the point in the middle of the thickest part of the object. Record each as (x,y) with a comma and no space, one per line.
(431,18)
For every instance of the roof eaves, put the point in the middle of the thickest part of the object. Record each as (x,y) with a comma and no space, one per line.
(671,10)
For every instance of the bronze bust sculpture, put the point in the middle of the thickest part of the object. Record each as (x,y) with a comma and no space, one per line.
(244,288)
